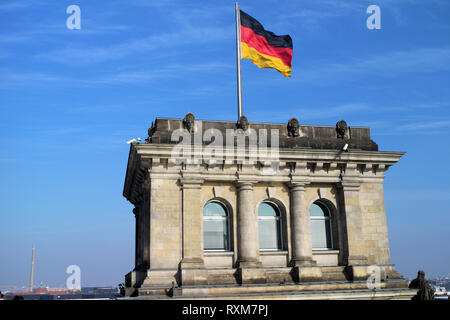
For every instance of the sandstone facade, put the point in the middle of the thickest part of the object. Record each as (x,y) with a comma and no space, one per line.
(169,194)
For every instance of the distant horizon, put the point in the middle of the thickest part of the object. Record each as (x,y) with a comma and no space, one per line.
(427,276)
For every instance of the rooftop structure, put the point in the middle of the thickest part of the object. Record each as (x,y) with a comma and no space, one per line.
(230,208)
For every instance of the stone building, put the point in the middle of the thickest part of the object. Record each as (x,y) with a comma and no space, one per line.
(257,209)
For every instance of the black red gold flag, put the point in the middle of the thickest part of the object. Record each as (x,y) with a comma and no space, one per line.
(263,47)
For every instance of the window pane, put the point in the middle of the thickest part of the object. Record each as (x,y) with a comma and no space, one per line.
(214,209)
(267,210)
(215,234)
(320,233)
(269,234)
(316,211)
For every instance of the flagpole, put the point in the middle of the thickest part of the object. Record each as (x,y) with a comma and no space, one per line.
(238,59)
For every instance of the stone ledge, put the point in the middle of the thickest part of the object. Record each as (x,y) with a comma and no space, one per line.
(393,282)
(319,252)
(218,253)
(329,290)
(273,253)
(400,294)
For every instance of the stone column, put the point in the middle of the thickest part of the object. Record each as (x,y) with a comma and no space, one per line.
(304,267)
(247,225)
(247,236)
(353,222)
(301,226)
(192,267)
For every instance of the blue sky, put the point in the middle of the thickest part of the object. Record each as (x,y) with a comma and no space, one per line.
(70,99)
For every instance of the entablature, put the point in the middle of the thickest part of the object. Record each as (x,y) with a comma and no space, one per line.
(149,161)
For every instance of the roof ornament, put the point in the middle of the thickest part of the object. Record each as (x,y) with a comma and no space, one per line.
(150,132)
(293,127)
(189,122)
(341,129)
(243,123)
(425,291)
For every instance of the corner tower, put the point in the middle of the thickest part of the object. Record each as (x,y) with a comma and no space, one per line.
(219,205)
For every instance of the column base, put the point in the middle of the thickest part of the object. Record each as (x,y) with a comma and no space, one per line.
(160,278)
(193,272)
(357,272)
(251,275)
(135,278)
(248,263)
(304,261)
(307,273)
(355,259)
(194,277)
(192,263)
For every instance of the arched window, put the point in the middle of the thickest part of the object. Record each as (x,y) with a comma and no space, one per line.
(215,226)
(269,222)
(320,226)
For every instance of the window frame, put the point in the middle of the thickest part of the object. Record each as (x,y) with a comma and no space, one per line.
(325,218)
(279,220)
(225,218)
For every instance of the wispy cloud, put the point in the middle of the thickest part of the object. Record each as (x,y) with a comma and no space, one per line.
(390,65)
(186,30)
(11,77)
(163,72)
(412,118)
(153,4)
(13,5)
(308,113)
(332,111)
(136,75)
(401,126)
(48,31)
(15,38)
(90,54)
(419,195)
(433,124)
(416,107)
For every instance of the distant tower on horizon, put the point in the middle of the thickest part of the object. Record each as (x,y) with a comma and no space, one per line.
(32,271)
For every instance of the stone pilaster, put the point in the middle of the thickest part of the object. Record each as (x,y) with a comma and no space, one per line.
(137,260)
(350,209)
(247,236)
(192,267)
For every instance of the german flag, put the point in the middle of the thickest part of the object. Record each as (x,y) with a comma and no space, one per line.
(264,48)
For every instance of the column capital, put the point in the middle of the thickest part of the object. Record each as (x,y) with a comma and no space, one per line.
(349,185)
(191,183)
(297,185)
(245,184)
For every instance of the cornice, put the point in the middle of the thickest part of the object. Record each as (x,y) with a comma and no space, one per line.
(154,161)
